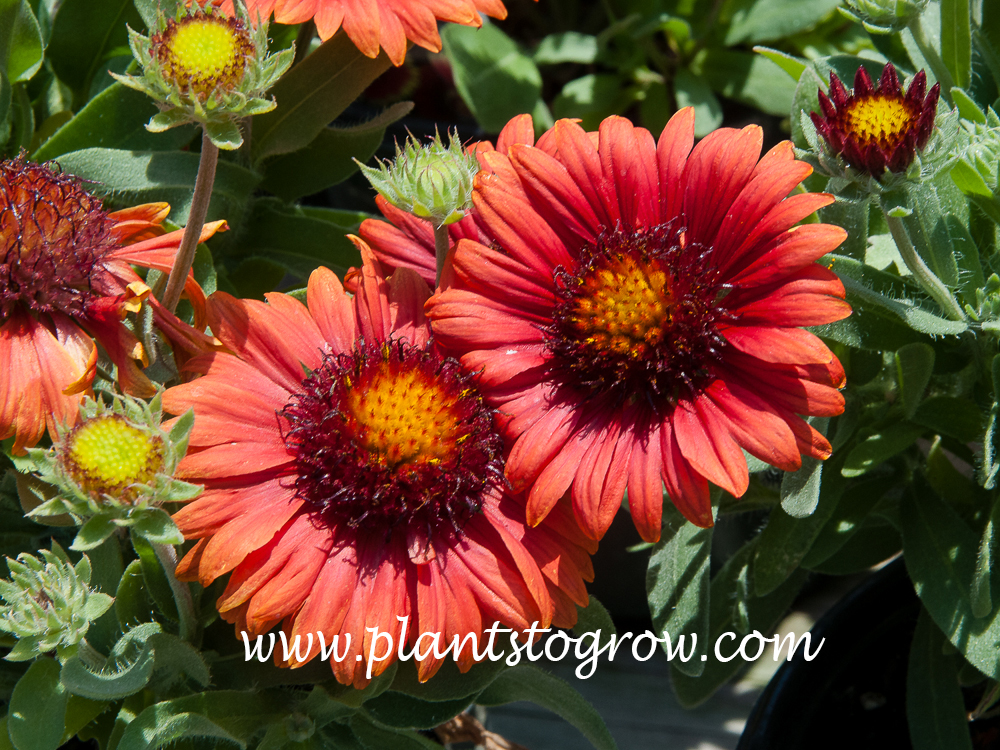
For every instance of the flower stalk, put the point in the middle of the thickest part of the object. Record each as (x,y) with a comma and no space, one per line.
(928,281)
(196,221)
(188,624)
(441,244)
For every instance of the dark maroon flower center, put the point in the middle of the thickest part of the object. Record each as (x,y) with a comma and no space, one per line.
(393,436)
(637,318)
(54,236)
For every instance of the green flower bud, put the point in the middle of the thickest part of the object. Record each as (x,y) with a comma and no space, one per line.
(48,604)
(112,470)
(204,67)
(883,16)
(977,168)
(432,181)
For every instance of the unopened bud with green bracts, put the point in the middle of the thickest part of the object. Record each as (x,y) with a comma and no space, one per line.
(977,169)
(883,16)
(48,604)
(204,67)
(114,469)
(432,181)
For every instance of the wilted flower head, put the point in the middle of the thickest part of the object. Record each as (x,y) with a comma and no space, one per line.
(48,604)
(883,16)
(432,181)
(877,128)
(114,469)
(203,66)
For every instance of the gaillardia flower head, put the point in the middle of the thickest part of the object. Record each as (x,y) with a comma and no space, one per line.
(113,469)
(877,128)
(637,316)
(203,66)
(48,604)
(354,476)
(378,24)
(66,275)
(431,181)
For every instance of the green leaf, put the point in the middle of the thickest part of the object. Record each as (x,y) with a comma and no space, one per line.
(329,159)
(299,242)
(149,10)
(765,20)
(800,489)
(132,603)
(982,582)
(107,563)
(853,509)
(128,669)
(143,176)
(495,79)
(956,40)
(529,683)
(156,525)
(956,417)
(448,683)
(375,736)
(229,715)
(940,552)
(883,445)
(762,613)
(788,63)
(93,533)
(914,364)
(786,540)
(692,91)
(406,712)
(970,267)
(79,713)
(677,584)
(38,708)
(591,98)
(312,95)
(967,106)
(84,34)
(21,44)
(594,618)
(865,285)
(225,135)
(115,118)
(154,577)
(566,47)
(935,709)
(748,78)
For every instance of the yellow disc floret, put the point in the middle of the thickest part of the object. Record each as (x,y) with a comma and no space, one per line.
(403,417)
(624,306)
(880,119)
(201,54)
(106,456)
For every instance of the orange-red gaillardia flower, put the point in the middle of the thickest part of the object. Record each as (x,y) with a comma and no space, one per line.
(66,275)
(875,129)
(375,24)
(354,476)
(636,319)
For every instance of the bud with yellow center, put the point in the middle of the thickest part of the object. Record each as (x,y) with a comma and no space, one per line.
(432,181)
(204,67)
(112,470)
(48,604)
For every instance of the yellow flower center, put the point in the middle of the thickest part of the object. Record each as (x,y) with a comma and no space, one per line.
(403,417)
(624,306)
(106,455)
(204,53)
(880,119)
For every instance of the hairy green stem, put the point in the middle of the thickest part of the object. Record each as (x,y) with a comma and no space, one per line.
(196,221)
(89,655)
(933,58)
(188,625)
(441,244)
(924,276)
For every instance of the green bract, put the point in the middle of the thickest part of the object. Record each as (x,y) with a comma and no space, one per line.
(204,67)
(114,469)
(977,171)
(883,16)
(432,181)
(48,604)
